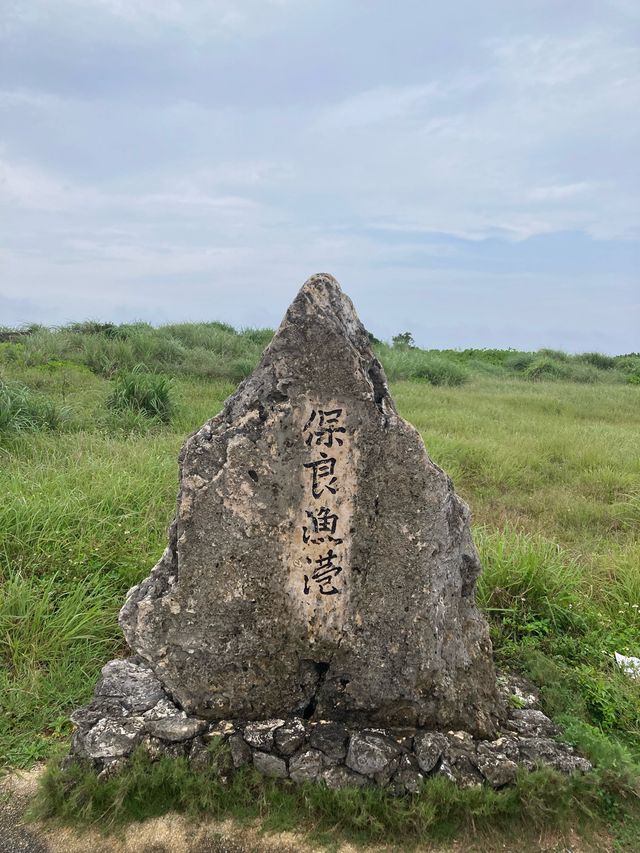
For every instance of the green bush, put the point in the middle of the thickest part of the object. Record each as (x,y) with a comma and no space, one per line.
(402,362)
(140,391)
(585,373)
(439,371)
(598,359)
(22,410)
(544,368)
(554,354)
(519,361)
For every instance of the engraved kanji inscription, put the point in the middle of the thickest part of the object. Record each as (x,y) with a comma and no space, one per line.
(321,525)
(323,469)
(324,574)
(323,428)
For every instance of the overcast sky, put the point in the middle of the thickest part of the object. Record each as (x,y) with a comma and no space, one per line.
(468,171)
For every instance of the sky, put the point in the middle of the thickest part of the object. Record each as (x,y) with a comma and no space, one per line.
(469,172)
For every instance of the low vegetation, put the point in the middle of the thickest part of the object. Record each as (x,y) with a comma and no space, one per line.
(543,446)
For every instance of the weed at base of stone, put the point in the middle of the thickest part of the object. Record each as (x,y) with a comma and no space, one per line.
(540,800)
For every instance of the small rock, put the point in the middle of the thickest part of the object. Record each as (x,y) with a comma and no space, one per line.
(341,777)
(270,765)
(157,748)
(112,738)
(428,748)
(517,689)
(306,766)
(111,768)
(176,728)
(559,756)
(330,738)
(132,682)
(528,722)
(223,728)
(407,779)
(240,753)
(290,737)
(462,759)
(100,709)
(199,755)
(260,735)
(497,760)
(445,770)
(370,753)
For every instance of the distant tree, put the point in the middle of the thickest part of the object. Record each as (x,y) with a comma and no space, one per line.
(403,341)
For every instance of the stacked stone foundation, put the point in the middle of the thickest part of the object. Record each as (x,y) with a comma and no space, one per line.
(131,710)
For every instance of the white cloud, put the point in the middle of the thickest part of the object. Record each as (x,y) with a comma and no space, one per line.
(178,161)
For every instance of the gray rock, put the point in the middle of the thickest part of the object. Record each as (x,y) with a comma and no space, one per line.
(341,777)
(110,738)
(199,755)
(290,737)
(111,768)
(306,766)
(371,753)
(407,779)
(330,738)
(518,691)
(528,722)
(240,753)
(497,761)
(318,558)
(260,735)
(429,748)
(559,756)
(270,765)
(87,716)
(157,748)
(176,728)
(461,758)
(446,771)
(132,683)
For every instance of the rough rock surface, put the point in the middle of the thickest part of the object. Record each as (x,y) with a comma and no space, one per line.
(319,561)
(326,752)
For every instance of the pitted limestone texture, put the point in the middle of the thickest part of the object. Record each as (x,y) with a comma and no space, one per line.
(323,751)
(319,564)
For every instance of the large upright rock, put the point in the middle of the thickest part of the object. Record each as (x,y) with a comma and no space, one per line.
(319,562)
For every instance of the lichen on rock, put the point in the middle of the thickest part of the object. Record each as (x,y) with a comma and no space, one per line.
(319,562)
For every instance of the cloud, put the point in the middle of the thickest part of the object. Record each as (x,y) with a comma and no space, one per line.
(213,154)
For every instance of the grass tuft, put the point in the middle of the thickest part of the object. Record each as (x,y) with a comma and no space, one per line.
(141,392)
(23,410)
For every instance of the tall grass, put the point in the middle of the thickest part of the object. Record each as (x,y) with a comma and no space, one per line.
(550,468)
(22,410)
(53,639)
(217,351)
(143,392)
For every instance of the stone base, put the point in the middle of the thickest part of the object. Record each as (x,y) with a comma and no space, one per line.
(130,708)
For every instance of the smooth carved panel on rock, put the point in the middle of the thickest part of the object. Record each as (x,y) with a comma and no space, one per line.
(319,562)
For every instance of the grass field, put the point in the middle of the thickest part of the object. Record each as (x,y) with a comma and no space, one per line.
(544,447)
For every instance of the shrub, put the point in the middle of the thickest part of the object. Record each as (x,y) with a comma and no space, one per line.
(403,340)
(439,371)
(585,373)
(142,391)
(22,410)
(544,368)
(406,363)
(554,354)
(598,359)
(519,361)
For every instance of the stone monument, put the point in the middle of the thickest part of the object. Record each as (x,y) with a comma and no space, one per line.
(319,582)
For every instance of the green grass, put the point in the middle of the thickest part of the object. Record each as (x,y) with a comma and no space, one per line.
(550,468)
(539,800)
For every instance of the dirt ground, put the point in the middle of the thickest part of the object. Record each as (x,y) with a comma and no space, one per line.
(175,834)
